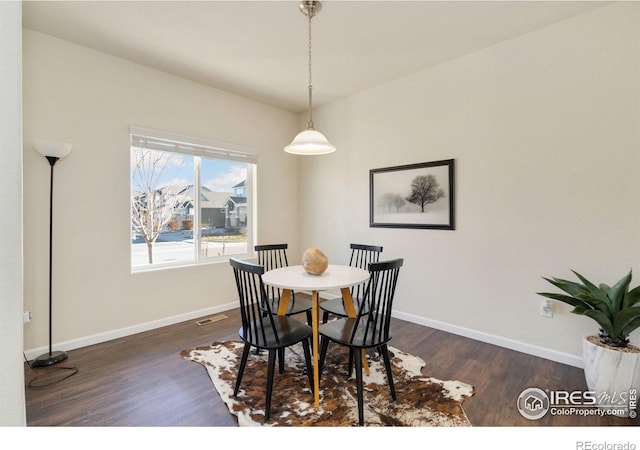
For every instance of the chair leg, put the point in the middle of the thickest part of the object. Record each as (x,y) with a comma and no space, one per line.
(379,350)
(309,319)
(281,360)
(307,358)
(325,317)
(350,362)
(359,388)
(324,345)
(270,370)
(387,365)
(243,363)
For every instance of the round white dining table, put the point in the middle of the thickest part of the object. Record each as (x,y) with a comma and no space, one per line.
(294,278)
(334,277)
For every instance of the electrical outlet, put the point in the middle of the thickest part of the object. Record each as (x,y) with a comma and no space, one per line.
(546,309)
(26,316)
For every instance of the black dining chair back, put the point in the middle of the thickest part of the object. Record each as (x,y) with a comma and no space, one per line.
(361,256)
(265,331)
(274,256)
(371,328)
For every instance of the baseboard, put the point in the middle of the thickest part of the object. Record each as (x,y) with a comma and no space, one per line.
(128,331)
(529,349)
(511,344)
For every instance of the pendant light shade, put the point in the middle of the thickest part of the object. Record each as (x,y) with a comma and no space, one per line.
(310,141)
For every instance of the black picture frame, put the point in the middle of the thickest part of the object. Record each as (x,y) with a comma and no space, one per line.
(395,202)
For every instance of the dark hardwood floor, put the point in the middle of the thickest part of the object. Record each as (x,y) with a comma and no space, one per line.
(141,380)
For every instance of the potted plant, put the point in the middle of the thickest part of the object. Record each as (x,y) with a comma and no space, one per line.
(611,362)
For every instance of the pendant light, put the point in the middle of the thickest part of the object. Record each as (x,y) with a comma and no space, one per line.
(310,141)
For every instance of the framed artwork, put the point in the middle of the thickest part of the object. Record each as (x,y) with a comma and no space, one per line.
(413,196)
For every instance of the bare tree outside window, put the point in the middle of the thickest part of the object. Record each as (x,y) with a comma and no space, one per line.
(152,205)
(425,189)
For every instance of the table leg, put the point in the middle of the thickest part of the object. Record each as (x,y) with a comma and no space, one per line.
(284,302)
(351,312)
(314,320)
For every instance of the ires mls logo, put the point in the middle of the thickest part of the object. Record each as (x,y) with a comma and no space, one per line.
(534,403)
(633,403)
(575,398)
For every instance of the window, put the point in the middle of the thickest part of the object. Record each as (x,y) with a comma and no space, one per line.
(191,200)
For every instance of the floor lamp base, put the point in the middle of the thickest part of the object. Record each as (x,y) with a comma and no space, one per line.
(49,359)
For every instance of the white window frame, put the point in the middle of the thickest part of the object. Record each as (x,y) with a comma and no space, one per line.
(200,148)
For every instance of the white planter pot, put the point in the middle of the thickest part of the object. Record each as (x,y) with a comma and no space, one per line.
(613,375)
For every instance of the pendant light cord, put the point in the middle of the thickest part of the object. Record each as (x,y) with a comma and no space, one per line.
(310,121)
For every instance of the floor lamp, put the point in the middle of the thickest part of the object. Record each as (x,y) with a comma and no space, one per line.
(53,151)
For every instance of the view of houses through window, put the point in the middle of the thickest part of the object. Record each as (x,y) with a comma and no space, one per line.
(190,203)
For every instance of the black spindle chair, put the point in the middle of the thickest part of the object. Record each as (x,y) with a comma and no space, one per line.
(369,329)
(265,331)
(361,256)
(274,256)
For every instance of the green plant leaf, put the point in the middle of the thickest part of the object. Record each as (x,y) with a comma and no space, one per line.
(598,293)
(600,317)
(573,301)
(570,287)
(617,293)
(632,298)
(580,294)
(624,320)
(631,326)
(615,309)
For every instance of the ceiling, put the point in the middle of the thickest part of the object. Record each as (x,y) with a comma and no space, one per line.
(258,49)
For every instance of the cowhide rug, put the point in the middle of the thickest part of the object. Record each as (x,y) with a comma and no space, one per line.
(422,401)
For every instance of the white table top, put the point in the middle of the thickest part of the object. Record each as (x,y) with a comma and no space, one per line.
(295,278)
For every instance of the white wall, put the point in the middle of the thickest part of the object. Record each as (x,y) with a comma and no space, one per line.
(12,412)
(90,99)
(546,137)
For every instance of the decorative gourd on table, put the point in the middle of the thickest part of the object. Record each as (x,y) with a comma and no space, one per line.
(314,261)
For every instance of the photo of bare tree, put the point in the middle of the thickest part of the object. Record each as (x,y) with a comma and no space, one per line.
(413,196)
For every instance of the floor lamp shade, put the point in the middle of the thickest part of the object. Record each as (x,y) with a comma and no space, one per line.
(52,148)
(53,151)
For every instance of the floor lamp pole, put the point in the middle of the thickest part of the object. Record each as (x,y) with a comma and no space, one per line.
(52,357)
